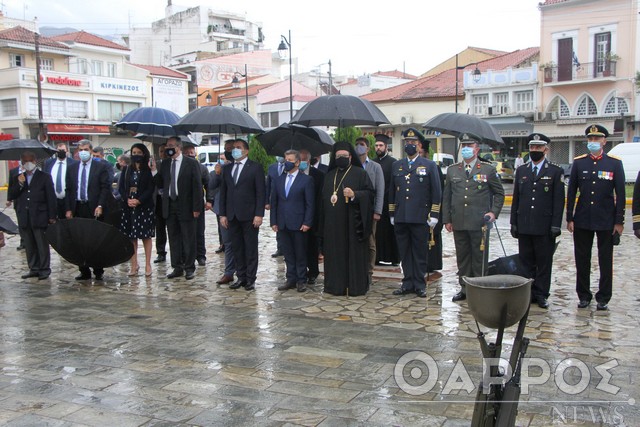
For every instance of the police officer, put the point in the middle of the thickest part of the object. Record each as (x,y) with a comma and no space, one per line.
(536,215)
(473,196)
(414,206)
(598,177)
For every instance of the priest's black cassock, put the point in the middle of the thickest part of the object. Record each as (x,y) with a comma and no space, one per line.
(386,244)
(344,230)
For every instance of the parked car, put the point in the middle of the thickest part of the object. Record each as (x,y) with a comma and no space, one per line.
(629,153)
(208,155)
(444,161)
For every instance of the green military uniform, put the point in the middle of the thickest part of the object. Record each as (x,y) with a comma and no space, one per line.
(467,198)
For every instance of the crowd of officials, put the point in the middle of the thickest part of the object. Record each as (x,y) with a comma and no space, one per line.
(353,214)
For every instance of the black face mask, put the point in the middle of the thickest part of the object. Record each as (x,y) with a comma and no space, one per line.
(342,162)
(119,166)
(536,156)
(62,154)
(169,152)
(289,165)
(410,149)
(137,158)
(228,156)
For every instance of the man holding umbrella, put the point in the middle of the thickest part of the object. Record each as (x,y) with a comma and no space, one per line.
(473,197)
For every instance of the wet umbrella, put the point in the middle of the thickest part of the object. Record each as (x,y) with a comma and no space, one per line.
(13,148)
(7,225)
(89,242)
(152,121)
(341,111)
(458,124)
(218,119)
(297,137)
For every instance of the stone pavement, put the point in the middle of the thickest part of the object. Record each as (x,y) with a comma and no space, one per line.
(137,351)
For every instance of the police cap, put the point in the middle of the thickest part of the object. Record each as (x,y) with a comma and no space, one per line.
(538,139)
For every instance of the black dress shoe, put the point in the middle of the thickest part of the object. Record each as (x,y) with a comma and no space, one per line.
(43,276)
(30,274)
(543,303)
(302,287)
(602,306)
(175,273)
(99,276)
(249,286)
(202,261)
(460,296)
(20,247)
(276,254)
(220,249)
(286,286)
(237,284)
(83,277)
(160,258)
(422,293)
(190,275)
(401,292)
(312,280)
(584,303)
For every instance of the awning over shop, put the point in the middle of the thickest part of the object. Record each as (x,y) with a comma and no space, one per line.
(237,24)
(58,129)
(570,128)
(510,130)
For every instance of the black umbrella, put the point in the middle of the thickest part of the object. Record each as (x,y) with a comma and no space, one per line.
(13,148)
(297,137)
(152,121)
(89,242)
(7,225)
(341,111)
(218,119)
(458,124)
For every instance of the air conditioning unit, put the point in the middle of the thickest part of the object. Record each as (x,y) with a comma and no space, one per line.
(538,116)
(406,119)
(554,116)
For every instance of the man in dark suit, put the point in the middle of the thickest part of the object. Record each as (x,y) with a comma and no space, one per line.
(161,224)
(292,208)
(14,173)
(88,187)
(35,203)
(57,168)
(181,180)
(98,154)
(312,239)
(273,172)
(241,211)
(536,215)
(189,150)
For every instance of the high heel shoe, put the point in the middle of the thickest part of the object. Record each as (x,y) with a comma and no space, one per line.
(134,272)
(147,272)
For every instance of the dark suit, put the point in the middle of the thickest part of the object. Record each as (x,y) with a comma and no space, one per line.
(273,172)
(290,212)
(323,168)
(35,204)
(161,223)
(240,202)
(201,248)
(312,237)
(538,204)
(60,197)
(181,224)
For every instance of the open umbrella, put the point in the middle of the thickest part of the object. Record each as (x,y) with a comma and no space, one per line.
(89,242)
(7,225)
(458,124)
(341,111)
(218,119)
(13,148)
(152,121)
(297,137)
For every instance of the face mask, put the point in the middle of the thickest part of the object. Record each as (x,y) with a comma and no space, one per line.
(221,161)
(314,161)
(227,155)
(137,158)
(97,158)
(304,165)
(84,156)
(361,150)
(289,165)
(119,166)
(29,166)
(594,147)
(279,159)
(342,162)
(467,152)
(236,153)
(536,156)
(410,149)
(62,154)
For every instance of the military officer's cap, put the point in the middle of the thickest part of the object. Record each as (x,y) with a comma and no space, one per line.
(413,134)
(467,139)
(538,139)
(596,130)
(382,138)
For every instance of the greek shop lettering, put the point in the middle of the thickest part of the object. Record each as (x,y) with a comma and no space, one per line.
(115,86)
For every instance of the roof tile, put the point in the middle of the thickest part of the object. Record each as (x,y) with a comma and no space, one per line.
(22,35)
(87,38)
(161,71)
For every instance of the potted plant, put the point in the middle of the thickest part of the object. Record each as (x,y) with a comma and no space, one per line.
(547,68)
(610,64)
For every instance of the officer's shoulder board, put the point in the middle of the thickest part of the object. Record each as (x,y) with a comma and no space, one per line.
(613,156)
(580,157)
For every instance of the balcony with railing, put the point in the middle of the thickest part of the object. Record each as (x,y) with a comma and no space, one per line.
(584,72)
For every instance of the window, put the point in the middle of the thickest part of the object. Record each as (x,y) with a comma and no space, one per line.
(603,50)
(80,66)
(616,106)
(113,110)
(270,120)
(97,68)
(16,60)
(111,69)
(587,107)
(501,103)
(524,101)
(59,108)
(264,120)
(480,104)
(559,108)
(8,107)
(46,64)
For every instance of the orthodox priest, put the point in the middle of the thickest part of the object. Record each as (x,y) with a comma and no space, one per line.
(386,246)
(346,215)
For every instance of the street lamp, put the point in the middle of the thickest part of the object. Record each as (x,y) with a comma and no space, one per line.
(208,97)
(236,84)
(476,76)
(285,45)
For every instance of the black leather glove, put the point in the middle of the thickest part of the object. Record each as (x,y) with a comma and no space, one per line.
(514,231)
(555,232)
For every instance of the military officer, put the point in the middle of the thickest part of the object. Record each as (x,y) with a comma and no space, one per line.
(473,196)
(635,209)
(414,207)
(598,177)
(536,215)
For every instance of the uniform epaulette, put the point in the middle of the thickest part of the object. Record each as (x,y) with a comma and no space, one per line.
(483,160)
(613,156)
(580,157)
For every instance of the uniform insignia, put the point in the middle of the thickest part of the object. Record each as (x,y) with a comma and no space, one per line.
(580,157)
(605,175)
(613,156)
(480,178)
(421,170)
(546,177)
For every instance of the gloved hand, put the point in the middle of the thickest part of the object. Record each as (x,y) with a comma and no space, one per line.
(392,220)
(432,222)
(555,232)
(514,231)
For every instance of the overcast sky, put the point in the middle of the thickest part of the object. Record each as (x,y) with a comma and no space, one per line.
(357,37)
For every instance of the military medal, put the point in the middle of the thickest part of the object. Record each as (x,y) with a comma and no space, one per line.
(334,196)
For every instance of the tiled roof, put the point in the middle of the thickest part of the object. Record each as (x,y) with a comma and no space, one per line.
(395,73)
(491,52)
(241,92)
(300,98)
(512,59)
(22,35)
(548,2)
(90,39)
(161,71)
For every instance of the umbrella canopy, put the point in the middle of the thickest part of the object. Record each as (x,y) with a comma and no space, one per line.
(89,243)
(159,140)
(218,119)
(458,124)
(341,111)
(13,148)
(151,121)
(7,225)
(297,137)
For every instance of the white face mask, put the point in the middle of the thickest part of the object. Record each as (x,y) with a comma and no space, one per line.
(29,166)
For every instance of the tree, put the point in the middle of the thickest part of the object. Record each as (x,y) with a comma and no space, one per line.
(348,134)
(258,154)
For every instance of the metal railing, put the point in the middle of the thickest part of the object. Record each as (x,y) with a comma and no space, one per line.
(583,71)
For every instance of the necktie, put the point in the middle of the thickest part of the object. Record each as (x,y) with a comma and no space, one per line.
(59,178)
(288,186)
(467,169)
(83,183)
(410,163)
(172,185)
(535,171)
(235,172)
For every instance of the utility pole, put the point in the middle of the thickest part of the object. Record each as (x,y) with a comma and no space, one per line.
(41,134)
